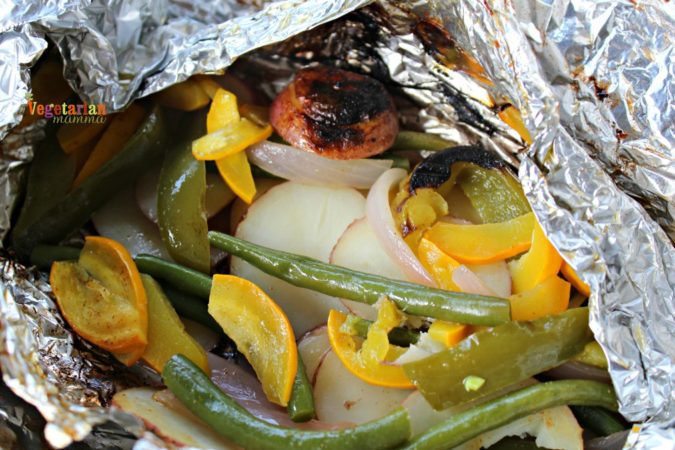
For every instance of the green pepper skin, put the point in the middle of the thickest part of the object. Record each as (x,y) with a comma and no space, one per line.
(70,211)
(301,405)
(181,197)
(502,356)
(198,393)
(366,288)
(494,193)
(515,405)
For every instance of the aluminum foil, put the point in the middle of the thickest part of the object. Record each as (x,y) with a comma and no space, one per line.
(593,80)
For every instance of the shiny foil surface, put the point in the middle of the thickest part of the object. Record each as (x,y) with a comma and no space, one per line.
(594,83)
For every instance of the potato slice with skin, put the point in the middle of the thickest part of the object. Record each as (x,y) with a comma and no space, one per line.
(312,348)
(303,219)
(166,332)
(340,396)
(177,426)
(359,249)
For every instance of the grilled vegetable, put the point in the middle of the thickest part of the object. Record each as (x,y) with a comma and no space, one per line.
(166,332)
(471,423)
(103,299)
(335,113)
(500,356)
(208,402)
(344,283)
(181,202)
(50,212)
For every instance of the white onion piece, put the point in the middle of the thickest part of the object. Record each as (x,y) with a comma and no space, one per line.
(495,276)
(294,164)
(468,282)
(378,213)
(120,219)
(146,193)
(246,390)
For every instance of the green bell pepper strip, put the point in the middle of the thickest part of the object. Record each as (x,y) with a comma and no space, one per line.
(70,211)
(301,405)
(515,405)
(495,194)
(181,197)
(50,176)
(415,140)
(366,288)
(501,356)
(198,393)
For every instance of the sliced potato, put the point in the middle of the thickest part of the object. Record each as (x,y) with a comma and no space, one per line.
(302,219)
(178,426)
(340,396)
(312,348)
(239,207)
(359,249)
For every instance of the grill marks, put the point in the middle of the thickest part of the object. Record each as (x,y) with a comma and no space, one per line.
(336,113)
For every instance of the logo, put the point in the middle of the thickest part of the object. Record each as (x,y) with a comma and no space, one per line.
(67,112)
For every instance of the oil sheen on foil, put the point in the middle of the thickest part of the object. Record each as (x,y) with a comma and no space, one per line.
(594,81)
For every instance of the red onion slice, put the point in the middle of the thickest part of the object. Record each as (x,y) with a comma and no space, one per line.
(294,164)
(378,213)
(245,389)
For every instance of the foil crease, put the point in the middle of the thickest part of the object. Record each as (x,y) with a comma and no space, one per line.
(586,165)
(45,364)
(593,80)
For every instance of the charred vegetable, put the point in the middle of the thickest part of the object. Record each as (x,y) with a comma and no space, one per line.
(335,113)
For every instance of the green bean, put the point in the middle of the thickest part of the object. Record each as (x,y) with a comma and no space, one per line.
(182,278)
(43,256)
(366,288)
(415,140)
(301,405)
(198,393)
(598,420)
(503,410)
(397,336)
(187,289)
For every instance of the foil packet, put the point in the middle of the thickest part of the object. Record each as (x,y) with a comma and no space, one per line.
(593,81)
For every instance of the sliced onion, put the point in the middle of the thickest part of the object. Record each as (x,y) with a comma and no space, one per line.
(469,282)
(378,213)
(495,276)
(245,389)
(578,371)
(294,164)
